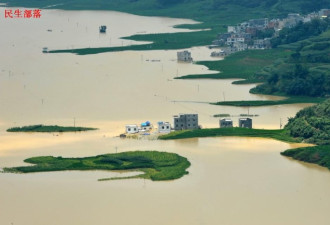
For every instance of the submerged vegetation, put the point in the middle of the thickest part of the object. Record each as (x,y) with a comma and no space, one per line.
(45,128)
(281,135)
(241,65)
(165,41)
(317,154)
(155,165)
(290,100)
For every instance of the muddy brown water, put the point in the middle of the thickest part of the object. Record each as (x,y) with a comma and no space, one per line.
(232,180)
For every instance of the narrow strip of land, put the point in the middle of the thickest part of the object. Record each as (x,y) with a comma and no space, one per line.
(165,41)
(50,128)
(281,135)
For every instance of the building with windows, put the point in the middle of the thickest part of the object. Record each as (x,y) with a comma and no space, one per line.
(185,121)
(245,122)
(225,123)
(132,129)
(164,127)
(184,56)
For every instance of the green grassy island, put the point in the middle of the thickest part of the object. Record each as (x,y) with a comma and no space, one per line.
(281,135)
(318,155)
(155,165)
(45,128)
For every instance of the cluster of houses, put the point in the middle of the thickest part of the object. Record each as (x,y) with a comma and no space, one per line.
(181,122)
(245,35)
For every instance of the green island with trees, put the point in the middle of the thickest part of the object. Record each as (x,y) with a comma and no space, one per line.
(156,166)
(48,128)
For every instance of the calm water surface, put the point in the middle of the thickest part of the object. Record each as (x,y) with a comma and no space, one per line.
(237,181)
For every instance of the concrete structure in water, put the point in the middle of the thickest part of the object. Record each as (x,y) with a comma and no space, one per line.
(245,122)
(225,123)
(184,56)
(164,127)
(185,122)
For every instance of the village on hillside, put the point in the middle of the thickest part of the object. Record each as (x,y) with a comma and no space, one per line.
(257,33)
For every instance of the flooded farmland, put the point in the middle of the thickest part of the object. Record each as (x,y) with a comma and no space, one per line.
(232,180)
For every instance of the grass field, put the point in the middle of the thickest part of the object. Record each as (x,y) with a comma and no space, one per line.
(281,135)
(155,165)
(45,128)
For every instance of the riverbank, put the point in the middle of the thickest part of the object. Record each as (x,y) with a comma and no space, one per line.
(155,165)
(319,155)
(47,128)
(281,135)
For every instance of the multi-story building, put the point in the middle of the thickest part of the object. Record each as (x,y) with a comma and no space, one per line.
(245,122)
(184,56)
(185,121)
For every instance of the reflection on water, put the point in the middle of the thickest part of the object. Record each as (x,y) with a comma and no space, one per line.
(232,180)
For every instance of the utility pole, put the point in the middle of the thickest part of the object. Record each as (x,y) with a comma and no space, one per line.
(74,121)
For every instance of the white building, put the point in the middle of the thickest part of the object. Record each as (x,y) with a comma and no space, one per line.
(164,127)
(232,40)
(184,56)
(132,129)
(240,46)
(232,29)
(145,126)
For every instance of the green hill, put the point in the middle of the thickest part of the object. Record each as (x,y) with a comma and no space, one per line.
(312,124)
(306,72)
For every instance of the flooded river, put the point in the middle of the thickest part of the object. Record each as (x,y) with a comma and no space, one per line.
(232,181)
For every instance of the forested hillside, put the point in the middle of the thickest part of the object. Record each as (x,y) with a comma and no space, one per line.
(312,124)
(307,71)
